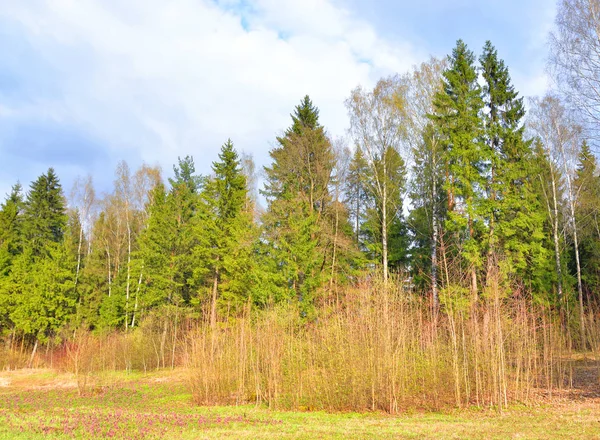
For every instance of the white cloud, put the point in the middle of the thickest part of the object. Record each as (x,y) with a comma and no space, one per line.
(155,79)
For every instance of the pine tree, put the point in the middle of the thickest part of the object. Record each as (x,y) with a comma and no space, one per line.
(42,279)
(158,253)
(183,202)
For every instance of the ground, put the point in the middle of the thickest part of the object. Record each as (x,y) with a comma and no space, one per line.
(36,404)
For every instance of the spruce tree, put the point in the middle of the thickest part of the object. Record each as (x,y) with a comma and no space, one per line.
(457,111)
(356,190)
(224,230)
(10,228)
(587,188)
(514,213)
(44,217)
(298,216)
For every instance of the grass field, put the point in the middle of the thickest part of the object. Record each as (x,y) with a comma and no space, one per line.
(36,404)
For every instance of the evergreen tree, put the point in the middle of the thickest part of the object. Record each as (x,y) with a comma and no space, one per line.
(514,213)
(587,188)
(158,253)
(224,230)
(356,190)
(10,228)
(457,110)
(44,217)
(298,217)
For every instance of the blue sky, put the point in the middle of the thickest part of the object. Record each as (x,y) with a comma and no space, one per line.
(87,83)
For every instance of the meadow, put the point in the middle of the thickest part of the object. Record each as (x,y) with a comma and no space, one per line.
(46,404)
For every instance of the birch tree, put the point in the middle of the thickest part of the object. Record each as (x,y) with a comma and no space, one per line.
(378,127)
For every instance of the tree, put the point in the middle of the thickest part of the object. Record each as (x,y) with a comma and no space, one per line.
(391,171)
(560,136)
(513,211)
(10,228)
(83,198)
(575,58)
(223,229)
(586,185)
(44,217)
(11,247)
(457,109)
(41,281)
(158,252)
(377,127)
(427,197)
(298,196)
(356,190)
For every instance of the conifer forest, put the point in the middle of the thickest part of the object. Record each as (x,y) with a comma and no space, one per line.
(446,252)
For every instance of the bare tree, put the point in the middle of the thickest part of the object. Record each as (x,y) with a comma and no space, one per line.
(575,59)
(423,83)
(83,199)
(561,137)
(378,125)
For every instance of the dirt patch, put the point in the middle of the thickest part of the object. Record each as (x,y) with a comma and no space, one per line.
(33,379)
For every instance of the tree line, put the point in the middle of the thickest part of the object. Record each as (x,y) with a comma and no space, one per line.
(448,186)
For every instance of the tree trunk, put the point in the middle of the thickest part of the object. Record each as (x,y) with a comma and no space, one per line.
(556,241)
(137,293)
(473,269)
(35,346)
(213,307)
(78,256)
(334,253)
(577,262)
(128,270)
(434,262)
(384,232)
(109,270)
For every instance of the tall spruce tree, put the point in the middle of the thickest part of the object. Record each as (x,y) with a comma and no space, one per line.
(298,198)
(42,282)
(44,216)
(514,213)
(457,117)
(224,230)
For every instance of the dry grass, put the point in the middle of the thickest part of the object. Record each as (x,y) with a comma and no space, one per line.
(382,352)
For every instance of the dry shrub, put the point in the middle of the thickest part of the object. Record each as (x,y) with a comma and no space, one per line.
(381,351)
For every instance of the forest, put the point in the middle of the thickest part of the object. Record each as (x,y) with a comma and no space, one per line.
(447,252)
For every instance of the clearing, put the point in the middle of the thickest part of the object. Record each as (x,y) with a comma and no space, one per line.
(36,404)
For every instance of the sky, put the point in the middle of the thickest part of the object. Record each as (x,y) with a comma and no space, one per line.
(85,84)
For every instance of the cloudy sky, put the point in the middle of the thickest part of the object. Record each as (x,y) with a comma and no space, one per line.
(87,83)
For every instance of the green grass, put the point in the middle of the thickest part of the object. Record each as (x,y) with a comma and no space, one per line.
(146,407)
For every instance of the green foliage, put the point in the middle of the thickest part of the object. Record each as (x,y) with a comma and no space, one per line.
(44,214)
(299,201)
(587,187)
(225,233)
